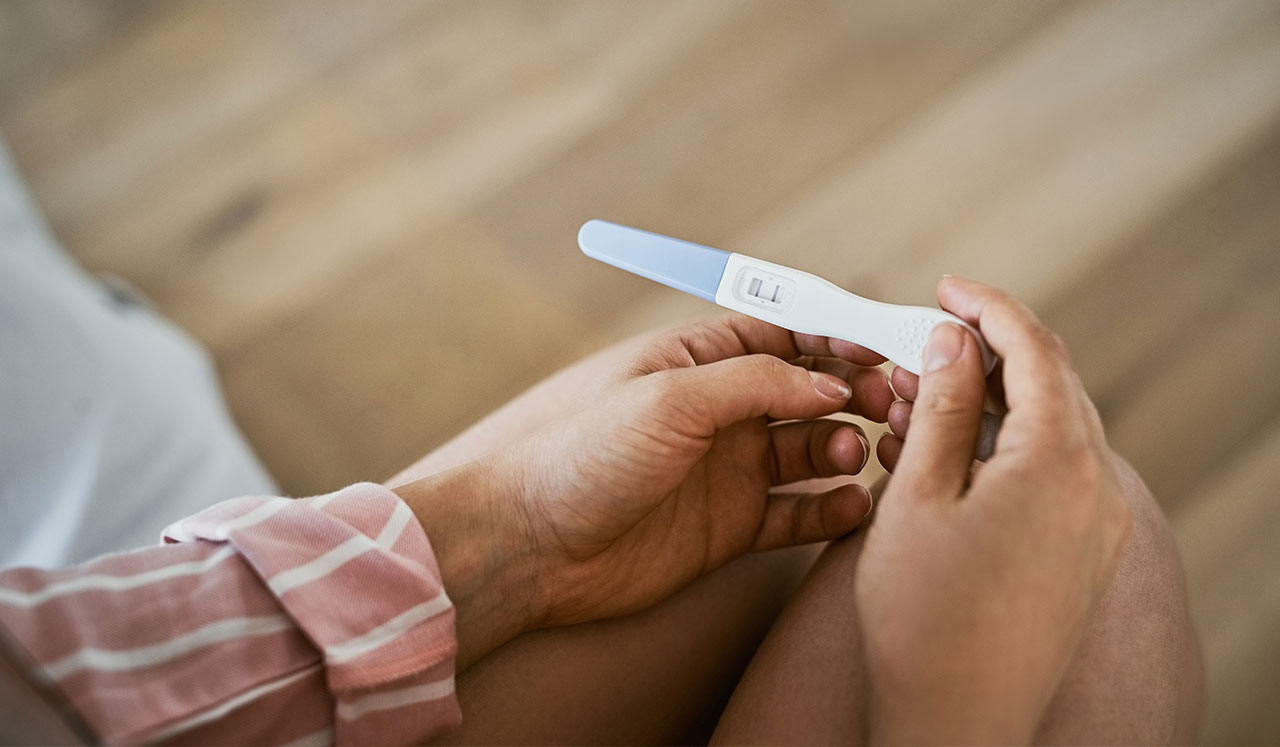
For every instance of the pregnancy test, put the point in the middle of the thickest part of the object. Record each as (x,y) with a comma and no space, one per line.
(780,295)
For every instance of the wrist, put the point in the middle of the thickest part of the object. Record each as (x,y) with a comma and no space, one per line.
(484,551)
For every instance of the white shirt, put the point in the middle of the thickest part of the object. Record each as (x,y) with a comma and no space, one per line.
(112,424)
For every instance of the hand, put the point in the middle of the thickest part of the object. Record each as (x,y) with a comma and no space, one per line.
(668,475)
(659,473)
(977,581)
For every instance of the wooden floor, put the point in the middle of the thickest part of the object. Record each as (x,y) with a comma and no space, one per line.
(368,211)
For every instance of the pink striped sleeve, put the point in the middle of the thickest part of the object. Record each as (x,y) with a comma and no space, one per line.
(264,620)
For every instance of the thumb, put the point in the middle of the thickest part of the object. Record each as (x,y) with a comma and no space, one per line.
(748,386)
(939,449)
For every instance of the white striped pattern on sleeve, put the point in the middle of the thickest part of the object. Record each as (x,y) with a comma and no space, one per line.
(329,609)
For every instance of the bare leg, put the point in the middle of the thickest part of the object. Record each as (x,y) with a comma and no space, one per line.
(1137,679)
(660,677)
(806,684)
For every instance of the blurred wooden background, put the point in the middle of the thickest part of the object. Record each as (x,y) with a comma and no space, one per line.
(367,211)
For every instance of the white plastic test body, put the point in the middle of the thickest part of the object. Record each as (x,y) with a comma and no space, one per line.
(777,294)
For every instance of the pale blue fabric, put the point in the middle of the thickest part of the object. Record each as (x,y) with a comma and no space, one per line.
(112,424)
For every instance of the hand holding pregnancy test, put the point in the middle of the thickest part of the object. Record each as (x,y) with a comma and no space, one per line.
(789,298)
(780,295)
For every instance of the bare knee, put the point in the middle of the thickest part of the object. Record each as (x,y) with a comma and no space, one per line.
(806,684)
(1138,678)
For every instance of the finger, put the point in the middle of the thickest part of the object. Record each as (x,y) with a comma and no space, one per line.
(872,394)
(1036,368)
(737,334)
(899,418)
(888,450)
(843,349)
(987,433)
(720,394)
(945,417)
(806,449)
(995,388)
(800,518)
(905,384)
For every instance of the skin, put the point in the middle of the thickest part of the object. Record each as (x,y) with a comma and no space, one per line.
(664,474)
(1143,619)
(1006,564)
(683,656)
(1134,674)
(664,477)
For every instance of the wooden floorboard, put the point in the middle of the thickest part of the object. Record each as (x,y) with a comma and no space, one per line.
(367,211)
(1134,307)
(1169,332)
(1228,538)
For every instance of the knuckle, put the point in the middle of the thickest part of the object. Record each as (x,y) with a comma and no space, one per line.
(662,351)
(1051,342)
(808,362)
(774,365)
(1011,312)
(647,362)
(667,399)
(772,368)
(673,338)
(1080,466)
(943,402)
(819,433)
(662,386)
(1045,427)
(1000,302)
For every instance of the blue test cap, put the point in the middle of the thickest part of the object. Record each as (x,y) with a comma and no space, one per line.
(683,265)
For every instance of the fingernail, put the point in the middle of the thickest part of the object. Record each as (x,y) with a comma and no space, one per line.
(947,275)
(943,346)
(866,450)
(830,386)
